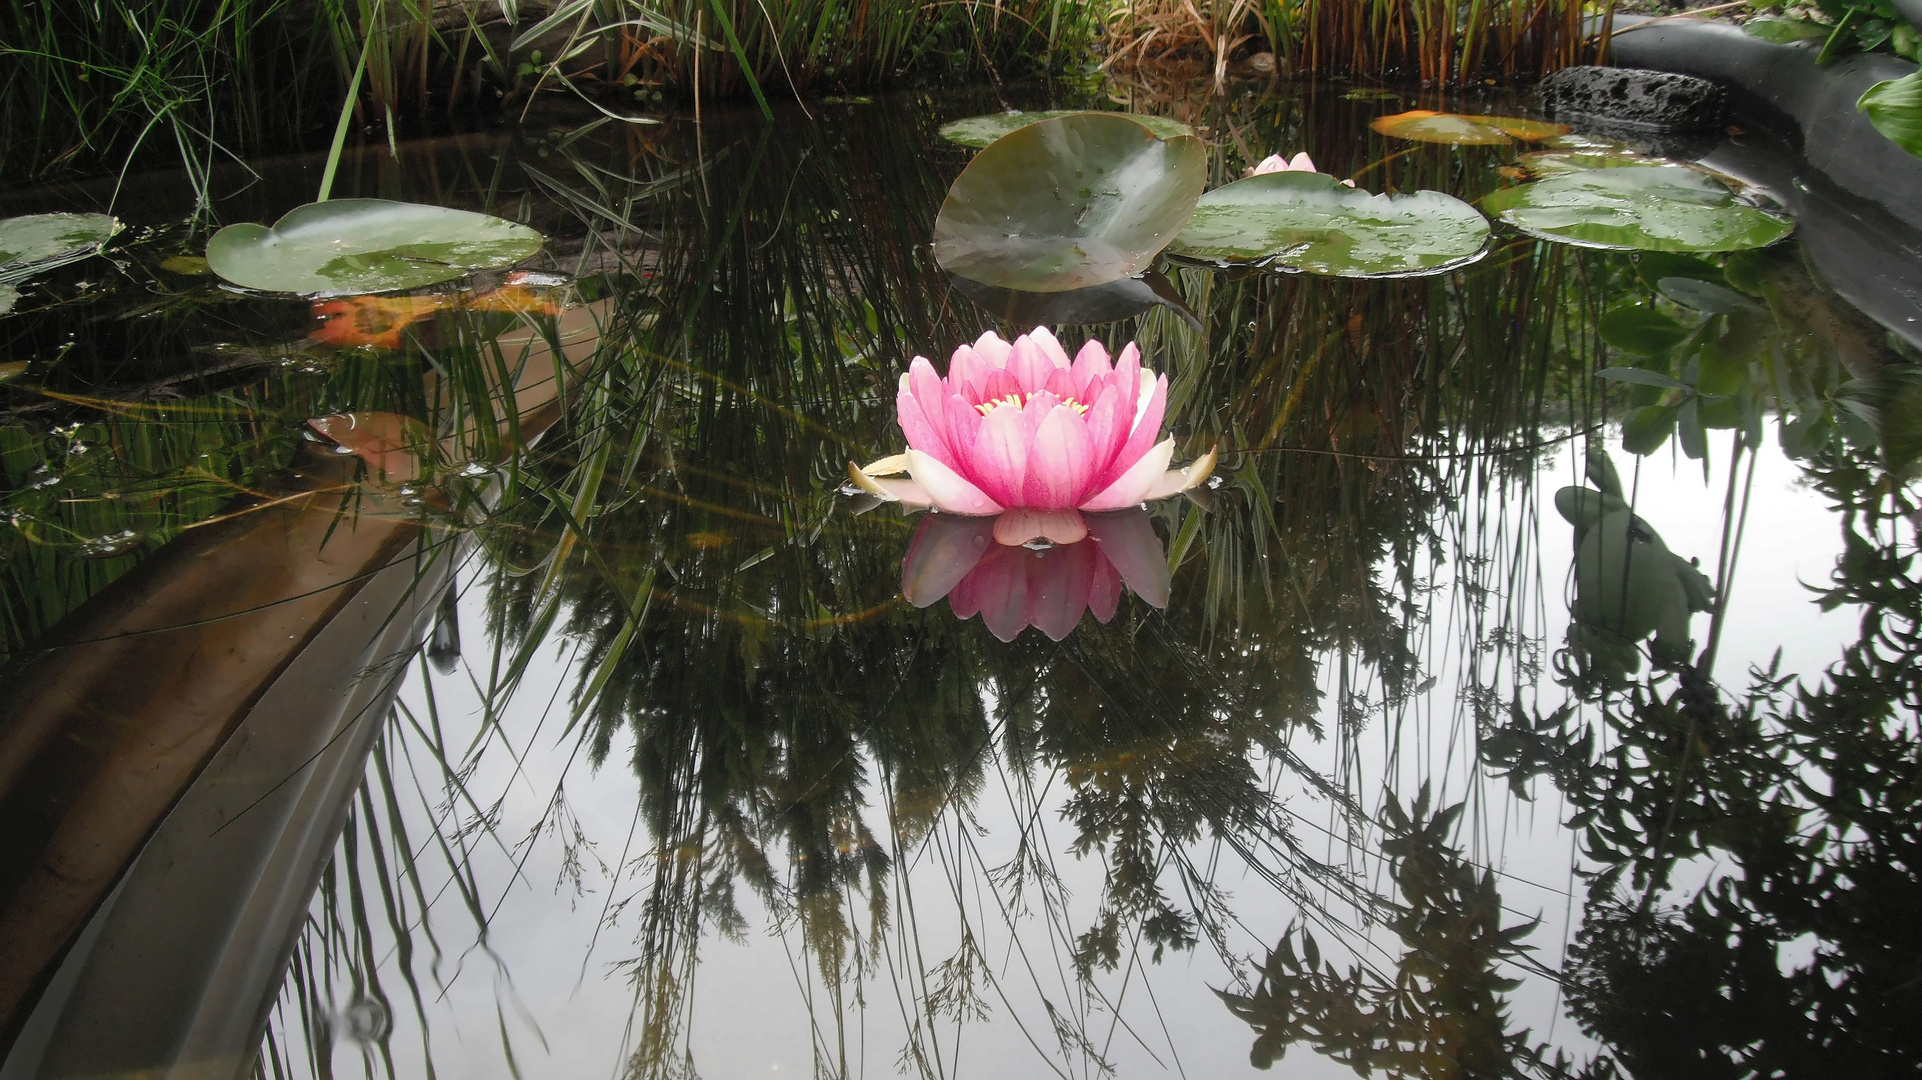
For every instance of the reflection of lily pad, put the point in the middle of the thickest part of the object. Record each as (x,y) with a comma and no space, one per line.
(366,245)
(979,131)
(1311,222)
(1422,125)
(1113,302)
(38,242)
(9,296)
(1638,207)
(1067,203)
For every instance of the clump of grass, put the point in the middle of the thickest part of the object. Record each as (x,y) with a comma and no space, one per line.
(84,86)
(1435,41)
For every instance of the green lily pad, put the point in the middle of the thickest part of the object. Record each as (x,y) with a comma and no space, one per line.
(1637,208)
(1423,125)
(1310,222)
(348,246)
(39,242)
(1067,203)
(1545,163)
(979,131)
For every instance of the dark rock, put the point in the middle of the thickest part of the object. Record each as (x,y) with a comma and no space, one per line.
(1653,100)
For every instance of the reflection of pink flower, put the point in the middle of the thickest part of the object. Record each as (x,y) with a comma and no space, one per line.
(1299,163)
(1020,426)
(1013,588)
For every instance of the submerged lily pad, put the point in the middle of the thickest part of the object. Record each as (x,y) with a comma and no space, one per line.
(1453,129)
(38,242)
(979,131)
(1068,203)
(1310,222)
(366,245)
(1637,208)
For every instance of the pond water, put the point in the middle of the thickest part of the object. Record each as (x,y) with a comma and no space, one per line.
(507,680)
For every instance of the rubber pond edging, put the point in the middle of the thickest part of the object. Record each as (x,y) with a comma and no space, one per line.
(1786,83)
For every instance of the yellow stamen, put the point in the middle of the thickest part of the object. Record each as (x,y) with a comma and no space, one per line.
(1018,400)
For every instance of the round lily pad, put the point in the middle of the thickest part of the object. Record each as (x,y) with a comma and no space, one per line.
(979,131)
(1310,222)
(1561,162)
(348,246)
(1423,125)
(38,242)
(1068,203)
(1637,208)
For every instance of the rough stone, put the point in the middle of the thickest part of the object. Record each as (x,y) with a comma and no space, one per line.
(1653,100)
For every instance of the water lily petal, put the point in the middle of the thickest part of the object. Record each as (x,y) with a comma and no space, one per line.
(1016,527)
(1090,364)
(1106,433)
(967,367)
(945,549)
(1031,365)
(947,489)
(875,482)
(929,391)
(1060,461)
(992,349)
(1153,400)
(1301,163)
(1050,346)
(1129,542)
(999,463)
(1180,480)
(920,428)
(1131,487)
(999,384)
(1062,385)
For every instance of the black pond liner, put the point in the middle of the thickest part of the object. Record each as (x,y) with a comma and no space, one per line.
(1855,195)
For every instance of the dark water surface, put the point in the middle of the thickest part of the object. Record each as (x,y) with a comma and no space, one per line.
(677,783)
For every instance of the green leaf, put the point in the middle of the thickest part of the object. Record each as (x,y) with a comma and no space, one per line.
(36,243)
(1640,329)
(1642,377)
(1895,108)
(1310,222)
(979,131)
(1068,203)
(1782,31)
(348,246)
(1637,207)
(1646,429)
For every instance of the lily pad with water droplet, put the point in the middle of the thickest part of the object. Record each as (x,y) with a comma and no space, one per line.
(1561,162)
(349,246)
(1637,208)
(1310,222)
(1454,129)
(1068,203)
(39,242)
(979,131)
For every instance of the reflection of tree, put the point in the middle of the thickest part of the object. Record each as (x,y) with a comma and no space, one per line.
(1442,1012)
(1799,956)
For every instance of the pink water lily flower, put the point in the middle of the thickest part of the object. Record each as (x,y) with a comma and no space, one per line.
(1301,162)
(1022,427)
